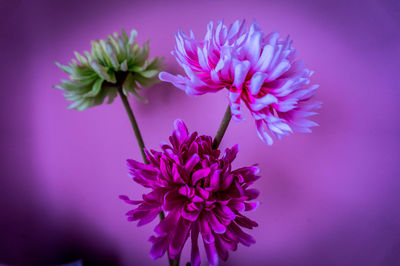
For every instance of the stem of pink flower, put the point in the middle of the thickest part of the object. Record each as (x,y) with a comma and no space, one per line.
(140,142)
(222,127)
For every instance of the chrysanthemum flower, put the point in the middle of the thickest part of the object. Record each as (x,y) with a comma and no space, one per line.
(112,63)
(258,70)
(201,194)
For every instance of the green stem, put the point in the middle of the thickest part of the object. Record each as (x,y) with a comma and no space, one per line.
(140,142)
(135,126)
(222,127)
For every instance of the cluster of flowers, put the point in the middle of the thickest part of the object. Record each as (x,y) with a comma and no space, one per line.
(189,178)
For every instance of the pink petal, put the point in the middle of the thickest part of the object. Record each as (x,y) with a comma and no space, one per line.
(195,254)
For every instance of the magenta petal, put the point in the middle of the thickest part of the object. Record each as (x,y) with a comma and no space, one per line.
(149,217)
(251,206)
(129,201)
(179,238)
(160,245)
(216,226)
(173,201)
(212,255)
(190,215)
(245,222)
(205,230)
(221,248)
(215,180)
(167,225)
(226,182)
(199,174)
(192,162)
(237,205)
(225,212)
(244,238)
(251,193)
(230,243)
(181,129)
(195,254)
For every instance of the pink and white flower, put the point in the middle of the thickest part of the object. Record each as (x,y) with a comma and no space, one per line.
(256,69)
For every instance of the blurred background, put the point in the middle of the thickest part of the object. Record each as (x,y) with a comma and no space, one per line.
(327,198)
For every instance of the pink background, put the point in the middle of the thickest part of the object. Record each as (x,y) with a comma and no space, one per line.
(327,198)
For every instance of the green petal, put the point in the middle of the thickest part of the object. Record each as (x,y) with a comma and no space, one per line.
(140,98)
(124,66)
(83,106)
(112,93)
(100,70)
(135,68)
(67,69)
(99,99)
(149,73)
(81,58)
(95,89)
(111,56)
(125,36)
(133,36)
(76,104)
(129,83)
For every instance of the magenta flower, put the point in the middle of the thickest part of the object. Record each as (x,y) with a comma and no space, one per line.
(258,70)
(201,193)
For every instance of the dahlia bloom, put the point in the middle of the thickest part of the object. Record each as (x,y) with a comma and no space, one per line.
(201,193)
(257,69)
(112,63)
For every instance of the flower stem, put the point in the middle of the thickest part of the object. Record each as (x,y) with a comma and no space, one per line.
(222,127)
(136,129)
(135,126)
(140,142)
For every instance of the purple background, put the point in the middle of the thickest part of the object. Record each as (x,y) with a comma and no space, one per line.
(328,198)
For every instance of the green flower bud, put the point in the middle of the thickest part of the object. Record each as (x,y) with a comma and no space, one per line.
(115,63)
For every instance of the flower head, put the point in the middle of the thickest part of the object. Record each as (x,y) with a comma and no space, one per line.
(202,194)
(257,69)
(112,63)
